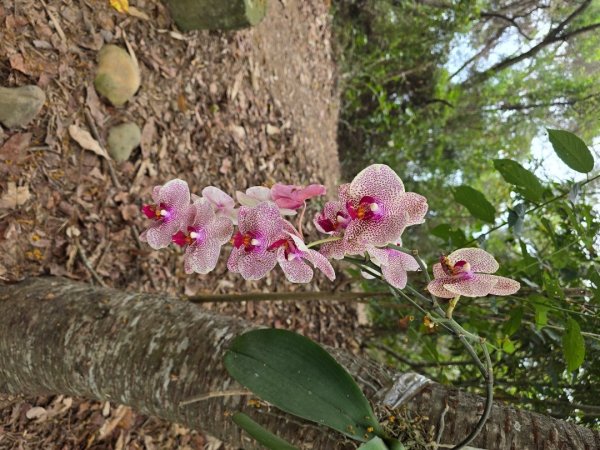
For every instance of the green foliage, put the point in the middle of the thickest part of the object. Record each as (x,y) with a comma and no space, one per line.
(572,150)
(300,377)
(515,174)
(407,101)
(262,435)
(475,202)
(573,345)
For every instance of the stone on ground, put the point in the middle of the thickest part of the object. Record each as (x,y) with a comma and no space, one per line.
(118,75)
(217,14)
(122,139)
(19,105)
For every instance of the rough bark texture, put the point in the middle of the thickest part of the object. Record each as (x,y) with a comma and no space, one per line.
(152,352)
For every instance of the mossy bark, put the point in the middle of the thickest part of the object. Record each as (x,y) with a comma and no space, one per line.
(216,14)
(153,352)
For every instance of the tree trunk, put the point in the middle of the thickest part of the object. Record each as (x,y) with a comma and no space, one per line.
(153,352)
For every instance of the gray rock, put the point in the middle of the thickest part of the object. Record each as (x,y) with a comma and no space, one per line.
(122,139)
(19,105)
(117,76)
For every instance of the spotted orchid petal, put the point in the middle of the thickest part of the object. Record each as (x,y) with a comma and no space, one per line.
(394,265)
(202,235)
(171,202)
(259,228)
(292,253)
(467,272)
(480,260)
(222,203)
(377,180)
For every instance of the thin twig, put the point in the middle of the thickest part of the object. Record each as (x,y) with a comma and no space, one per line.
(214,395)
(87,264)
(111,170)
(55,22)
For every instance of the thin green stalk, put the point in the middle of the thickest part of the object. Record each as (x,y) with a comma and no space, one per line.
(324,241)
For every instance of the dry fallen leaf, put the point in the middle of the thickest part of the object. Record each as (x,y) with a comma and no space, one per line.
(35,413)
(133,11)
(14,148)
(121,6)
(14,196)
(85,139)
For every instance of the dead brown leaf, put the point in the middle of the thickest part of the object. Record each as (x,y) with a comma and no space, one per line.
(85,139)
(14,196)
(14,148)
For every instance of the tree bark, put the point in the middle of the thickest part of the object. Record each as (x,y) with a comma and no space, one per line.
(153,352)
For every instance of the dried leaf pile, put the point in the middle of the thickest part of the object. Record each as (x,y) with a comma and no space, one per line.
(226,109)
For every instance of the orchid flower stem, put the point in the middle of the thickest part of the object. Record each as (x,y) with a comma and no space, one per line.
(301,219)
(451,306)
(445,319)
(324,241)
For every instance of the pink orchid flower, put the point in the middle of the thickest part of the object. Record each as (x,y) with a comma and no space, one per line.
(259,228)
(222,203)
(394,265)
(291,255)
(170,203)
(467,272)
(333,220)
(202,235)
(258,194)
(292,197)
(379,207)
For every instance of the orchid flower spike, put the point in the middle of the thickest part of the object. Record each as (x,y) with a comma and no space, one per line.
(289,196)
(170,203)
(202,235)
(292,253)
(467,272)
(222,203)
(259,227)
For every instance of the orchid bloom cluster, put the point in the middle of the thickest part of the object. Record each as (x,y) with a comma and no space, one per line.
(368,216)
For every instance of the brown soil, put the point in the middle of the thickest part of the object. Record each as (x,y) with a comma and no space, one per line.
(229,109)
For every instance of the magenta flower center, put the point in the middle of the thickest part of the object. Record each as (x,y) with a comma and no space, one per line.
(251,242)
(193,236)
(158,212)
(291,250)
(460,269)
(341,221)
(369,208)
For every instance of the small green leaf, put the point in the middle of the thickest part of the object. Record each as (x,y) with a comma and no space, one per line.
(298,376)
(552,286)
(573,345)
(514,173)
(475,202)
(261,434)
(572,150)
(541,305)
(508,346)
(374,444)
(455,237)
(513,323)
